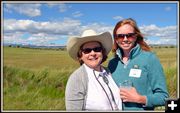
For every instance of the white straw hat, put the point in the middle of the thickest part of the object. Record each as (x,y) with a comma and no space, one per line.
(74,43)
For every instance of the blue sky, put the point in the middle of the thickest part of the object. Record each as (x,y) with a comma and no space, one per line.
(51,23)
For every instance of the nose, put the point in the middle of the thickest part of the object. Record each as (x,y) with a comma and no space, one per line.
(92,52)
(125,38)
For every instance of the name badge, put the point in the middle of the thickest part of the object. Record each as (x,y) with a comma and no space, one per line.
(135,73)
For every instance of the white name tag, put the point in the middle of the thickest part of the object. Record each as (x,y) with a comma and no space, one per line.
(135,73)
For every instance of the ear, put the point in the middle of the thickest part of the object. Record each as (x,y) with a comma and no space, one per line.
(80,61)
(117,41)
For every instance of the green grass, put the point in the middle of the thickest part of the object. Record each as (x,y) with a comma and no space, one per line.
(35,79)
(43,89)
(36,59)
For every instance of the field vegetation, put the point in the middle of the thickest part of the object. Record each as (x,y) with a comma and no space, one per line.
(35,79)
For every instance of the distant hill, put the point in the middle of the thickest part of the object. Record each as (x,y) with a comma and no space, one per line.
(63,47)
(162,45)
(35,46)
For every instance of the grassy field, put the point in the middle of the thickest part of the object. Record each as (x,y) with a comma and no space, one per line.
(35,79)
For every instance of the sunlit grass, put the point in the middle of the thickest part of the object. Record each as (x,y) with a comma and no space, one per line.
(35,59)
(35,79)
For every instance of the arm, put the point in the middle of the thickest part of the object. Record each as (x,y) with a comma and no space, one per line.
(75,92)
(157,83)
(157,87)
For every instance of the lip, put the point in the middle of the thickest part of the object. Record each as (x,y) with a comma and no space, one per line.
(93,59)
(126,43)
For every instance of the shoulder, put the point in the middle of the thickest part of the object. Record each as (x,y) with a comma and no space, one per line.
(78,77)
(151,58)
(112,65)
(114,60)
(78,74)
(149,55)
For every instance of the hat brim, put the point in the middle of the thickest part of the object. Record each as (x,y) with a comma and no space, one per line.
(74,43)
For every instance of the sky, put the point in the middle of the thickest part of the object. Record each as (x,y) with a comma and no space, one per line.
(52,23)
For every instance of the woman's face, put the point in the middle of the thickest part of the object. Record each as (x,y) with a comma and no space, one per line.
(125,37)
(92,58)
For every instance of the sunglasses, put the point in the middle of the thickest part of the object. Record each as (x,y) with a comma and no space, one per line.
(88,50)
(128,36)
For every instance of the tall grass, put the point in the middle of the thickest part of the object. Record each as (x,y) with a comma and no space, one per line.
(35,79)
(168,58)
(30,90)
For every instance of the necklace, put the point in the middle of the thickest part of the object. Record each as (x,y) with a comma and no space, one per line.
(107,82)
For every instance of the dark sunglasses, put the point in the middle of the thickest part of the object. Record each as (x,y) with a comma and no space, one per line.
(88,50)
(129,35)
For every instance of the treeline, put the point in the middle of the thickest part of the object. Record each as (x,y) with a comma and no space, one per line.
(61,48)
(162,46)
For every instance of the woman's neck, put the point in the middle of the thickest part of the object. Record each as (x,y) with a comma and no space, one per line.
(98,68)
(126,55)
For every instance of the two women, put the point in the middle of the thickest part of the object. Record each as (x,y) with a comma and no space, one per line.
(91,87)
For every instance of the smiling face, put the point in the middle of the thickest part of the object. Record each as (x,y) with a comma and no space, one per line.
(128,41)
(92,59)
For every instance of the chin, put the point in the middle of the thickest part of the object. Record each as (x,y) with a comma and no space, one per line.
(126,47)
(94,65)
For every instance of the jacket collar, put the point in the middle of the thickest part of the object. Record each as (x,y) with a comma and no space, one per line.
(133,53)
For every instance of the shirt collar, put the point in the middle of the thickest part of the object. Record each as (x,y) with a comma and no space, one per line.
(103,73)
(97,73)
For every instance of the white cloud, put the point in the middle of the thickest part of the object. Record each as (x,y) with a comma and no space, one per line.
(60,27)
(77,14)
(168,8)
(14,38)
(44,32)
(98,27)
(51,5)
(164,35)
(31,10)
(63,7)
(41,32)
(162,41)
(41,40)
(118,17)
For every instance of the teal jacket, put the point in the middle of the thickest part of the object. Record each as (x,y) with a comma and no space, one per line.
(150,83)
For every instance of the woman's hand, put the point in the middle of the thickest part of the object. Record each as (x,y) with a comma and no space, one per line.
(131,95)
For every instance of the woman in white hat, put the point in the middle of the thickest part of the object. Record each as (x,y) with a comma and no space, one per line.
(91,86)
